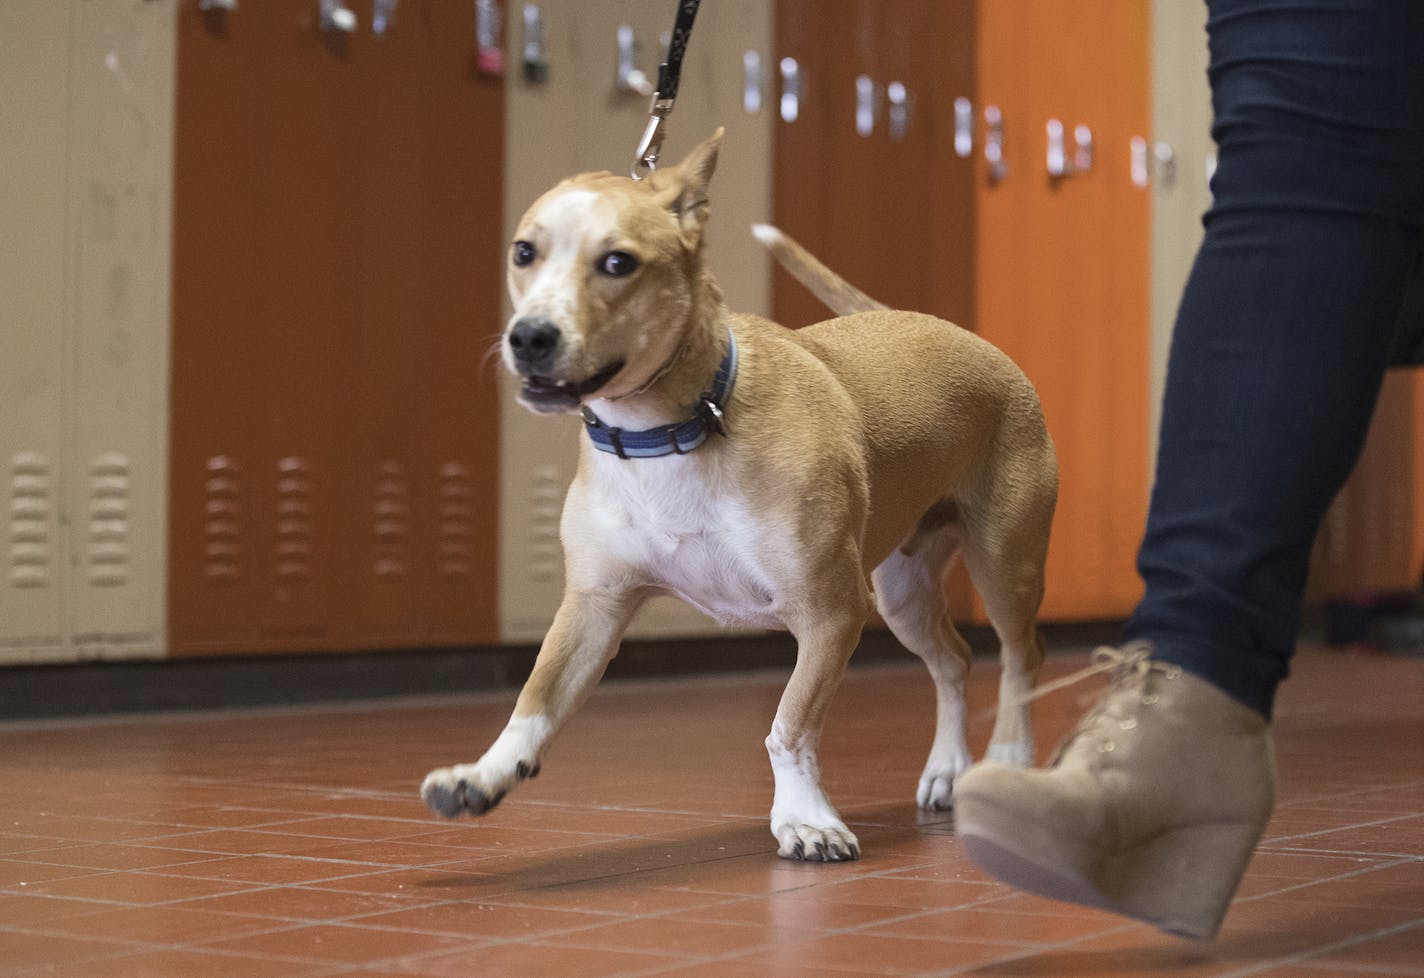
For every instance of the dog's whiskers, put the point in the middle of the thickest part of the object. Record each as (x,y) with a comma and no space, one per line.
(493,353)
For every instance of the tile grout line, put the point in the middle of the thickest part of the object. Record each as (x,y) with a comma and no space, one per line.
(1344,828)
(1339,945)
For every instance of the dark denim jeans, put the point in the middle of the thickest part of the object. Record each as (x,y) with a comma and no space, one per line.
(1289,320)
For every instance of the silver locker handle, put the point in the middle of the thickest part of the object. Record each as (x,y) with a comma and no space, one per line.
(865,91)
(1137,161)
(898,97)
(1057,157)
(629,77)
(1082,148)
(994,143)
(536,57)
(751,82)
(489,51)
(963,128)
(790,90)
(383,15)
(337,17)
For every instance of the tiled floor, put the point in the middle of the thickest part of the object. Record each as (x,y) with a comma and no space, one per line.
(292,845)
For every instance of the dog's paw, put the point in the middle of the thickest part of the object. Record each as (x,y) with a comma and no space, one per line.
(817,844)
(936,792)
(465,790)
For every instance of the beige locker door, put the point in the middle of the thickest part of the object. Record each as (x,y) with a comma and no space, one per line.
(1182,150)
(117,293)
(34,64)
(575,121)
(84,262)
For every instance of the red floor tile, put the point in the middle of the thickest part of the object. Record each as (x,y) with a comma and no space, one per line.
(292,844)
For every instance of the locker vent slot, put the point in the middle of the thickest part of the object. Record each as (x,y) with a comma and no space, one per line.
(110,493)
(391,521)
(295,548)
(223,521)
(454,545)
(546,503)
(31,517)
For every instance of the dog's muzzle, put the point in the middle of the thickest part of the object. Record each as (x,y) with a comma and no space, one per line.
(534,346)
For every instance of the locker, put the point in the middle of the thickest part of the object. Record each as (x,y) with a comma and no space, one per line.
(264,272)
(1062,271)
(119,230)
(1182,154)
(570,117)
(431,282)
(85,327)
(1054,270)
(337,207)
(34,63)
(892,211)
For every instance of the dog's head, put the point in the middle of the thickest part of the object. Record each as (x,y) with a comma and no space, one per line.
(603,272)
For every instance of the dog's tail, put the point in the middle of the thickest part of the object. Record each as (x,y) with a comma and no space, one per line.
(806,268)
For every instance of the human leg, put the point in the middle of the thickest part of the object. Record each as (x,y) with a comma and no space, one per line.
(1282,340)
(1286,325)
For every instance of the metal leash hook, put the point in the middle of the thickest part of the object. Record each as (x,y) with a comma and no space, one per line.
(651,145)
(669,72)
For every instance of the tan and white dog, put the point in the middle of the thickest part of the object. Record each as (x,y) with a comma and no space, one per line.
(860,456)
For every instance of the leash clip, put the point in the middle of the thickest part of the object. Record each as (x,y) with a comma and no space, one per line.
(650,147)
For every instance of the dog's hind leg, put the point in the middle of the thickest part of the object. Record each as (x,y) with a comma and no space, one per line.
(1005,556)
(909,590)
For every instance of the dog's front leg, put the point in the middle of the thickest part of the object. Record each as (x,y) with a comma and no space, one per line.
(582,640)
(804,821)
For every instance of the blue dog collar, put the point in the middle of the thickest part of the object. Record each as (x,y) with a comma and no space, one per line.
(672,439)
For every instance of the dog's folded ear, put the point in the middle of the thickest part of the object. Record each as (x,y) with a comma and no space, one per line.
(685,187)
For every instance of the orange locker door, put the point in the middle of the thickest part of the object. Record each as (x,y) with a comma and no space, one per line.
(1062,269)
(866,175)
(873,173)
(263,291)
(425,426)
(336,229)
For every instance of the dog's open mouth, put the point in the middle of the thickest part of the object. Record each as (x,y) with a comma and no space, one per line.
(550,394)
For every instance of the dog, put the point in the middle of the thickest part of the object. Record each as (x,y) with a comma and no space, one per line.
(777,478)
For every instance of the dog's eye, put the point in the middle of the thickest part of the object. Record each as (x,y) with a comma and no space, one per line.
(618,264)
(523,254)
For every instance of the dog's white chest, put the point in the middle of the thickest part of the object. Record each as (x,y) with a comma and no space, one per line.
(699,543)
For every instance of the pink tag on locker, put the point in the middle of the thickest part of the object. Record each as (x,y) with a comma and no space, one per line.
(490,61)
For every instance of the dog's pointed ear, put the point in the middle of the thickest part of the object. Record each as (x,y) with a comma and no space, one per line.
(687,184)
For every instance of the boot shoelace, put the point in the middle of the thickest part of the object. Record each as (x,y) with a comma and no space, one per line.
(1130,669)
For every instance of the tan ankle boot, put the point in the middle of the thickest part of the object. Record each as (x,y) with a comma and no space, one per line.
(1150,809)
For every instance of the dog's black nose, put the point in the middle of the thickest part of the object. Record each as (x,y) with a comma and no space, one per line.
(533,340)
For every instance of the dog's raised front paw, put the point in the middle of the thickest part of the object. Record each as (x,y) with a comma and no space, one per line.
(450,794)
(810,843)
(459,790)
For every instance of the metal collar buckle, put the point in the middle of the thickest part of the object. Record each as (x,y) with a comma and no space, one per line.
(712,416)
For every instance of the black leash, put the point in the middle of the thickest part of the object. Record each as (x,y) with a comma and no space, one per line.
(669,76)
